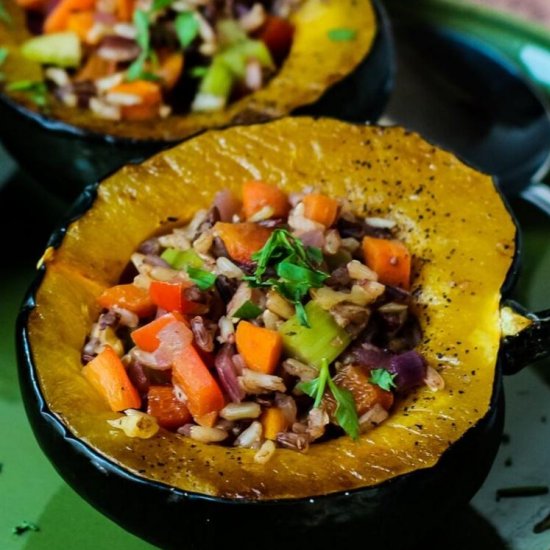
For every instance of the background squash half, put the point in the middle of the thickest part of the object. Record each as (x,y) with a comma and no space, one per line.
(68,147)
(432,453)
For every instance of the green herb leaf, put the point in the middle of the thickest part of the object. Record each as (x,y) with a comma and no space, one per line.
(23,527)
(316,388)
(203,279)
(37,91)
(141,22)
(249,310)
(382,378)
(159,5)
(342,34)
(346,411)
(3,55)
(4,15)
(187,28)
(296,267)
(198,72)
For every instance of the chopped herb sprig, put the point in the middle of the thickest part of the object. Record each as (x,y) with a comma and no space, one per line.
(383,378)
(342,34)
(346,411)
(203,279)
(296,267)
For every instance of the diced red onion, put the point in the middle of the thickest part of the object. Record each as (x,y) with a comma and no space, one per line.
(227,205)
(313,238)
(368,355)
(174,338)
(118,48)
(227,373)
(409,368)
(139,379)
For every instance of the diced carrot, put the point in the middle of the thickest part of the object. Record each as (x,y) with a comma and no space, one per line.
(146,337)
(125,9)
(108,376)
(365,394)
(242,239)
(81,22)
(147,91)
(277,34)
(171,297)
(169,411)
(390,259)
(273,421)
(139,112)
(257,194)
(204,396)
(171,68)
(259,347)
(58,18)
(95,67)
(150,99)
(130,297)
(320,209)
(208,420)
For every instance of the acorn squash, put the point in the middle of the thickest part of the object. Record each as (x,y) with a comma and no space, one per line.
(432,453)
(316,77)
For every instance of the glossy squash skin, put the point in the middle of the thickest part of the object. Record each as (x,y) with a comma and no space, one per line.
(69,148)
(412,467)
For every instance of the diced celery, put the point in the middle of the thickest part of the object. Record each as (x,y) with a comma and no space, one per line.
(256,49)
(182,259)
(325,339)
(230,32)
(61,49)
(215,87)
(249,310)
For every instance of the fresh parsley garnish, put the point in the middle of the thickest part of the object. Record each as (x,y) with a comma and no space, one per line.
(382,378)
(159,5)
(198,72)
(342,34)
(346,411)
(296,267)
(203,279)
(37,91)
(187,28)
(23,527)
(4,15)
(136,71)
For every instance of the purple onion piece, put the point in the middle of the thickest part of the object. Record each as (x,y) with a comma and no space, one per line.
(118,48)
(138,377)
(368,355)
(227,373)
(315,238)
(409,368)
(227,205)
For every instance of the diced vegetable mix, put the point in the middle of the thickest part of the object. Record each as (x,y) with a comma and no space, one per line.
(242,332)
(139,60)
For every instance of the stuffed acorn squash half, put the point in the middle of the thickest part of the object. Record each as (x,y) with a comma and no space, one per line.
(151,77)
(429,456)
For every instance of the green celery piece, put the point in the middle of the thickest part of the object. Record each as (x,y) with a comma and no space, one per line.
(61,49)
(323,340)
(249,310)
(182,259)
(218,80)
(235,57)
(230,32)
